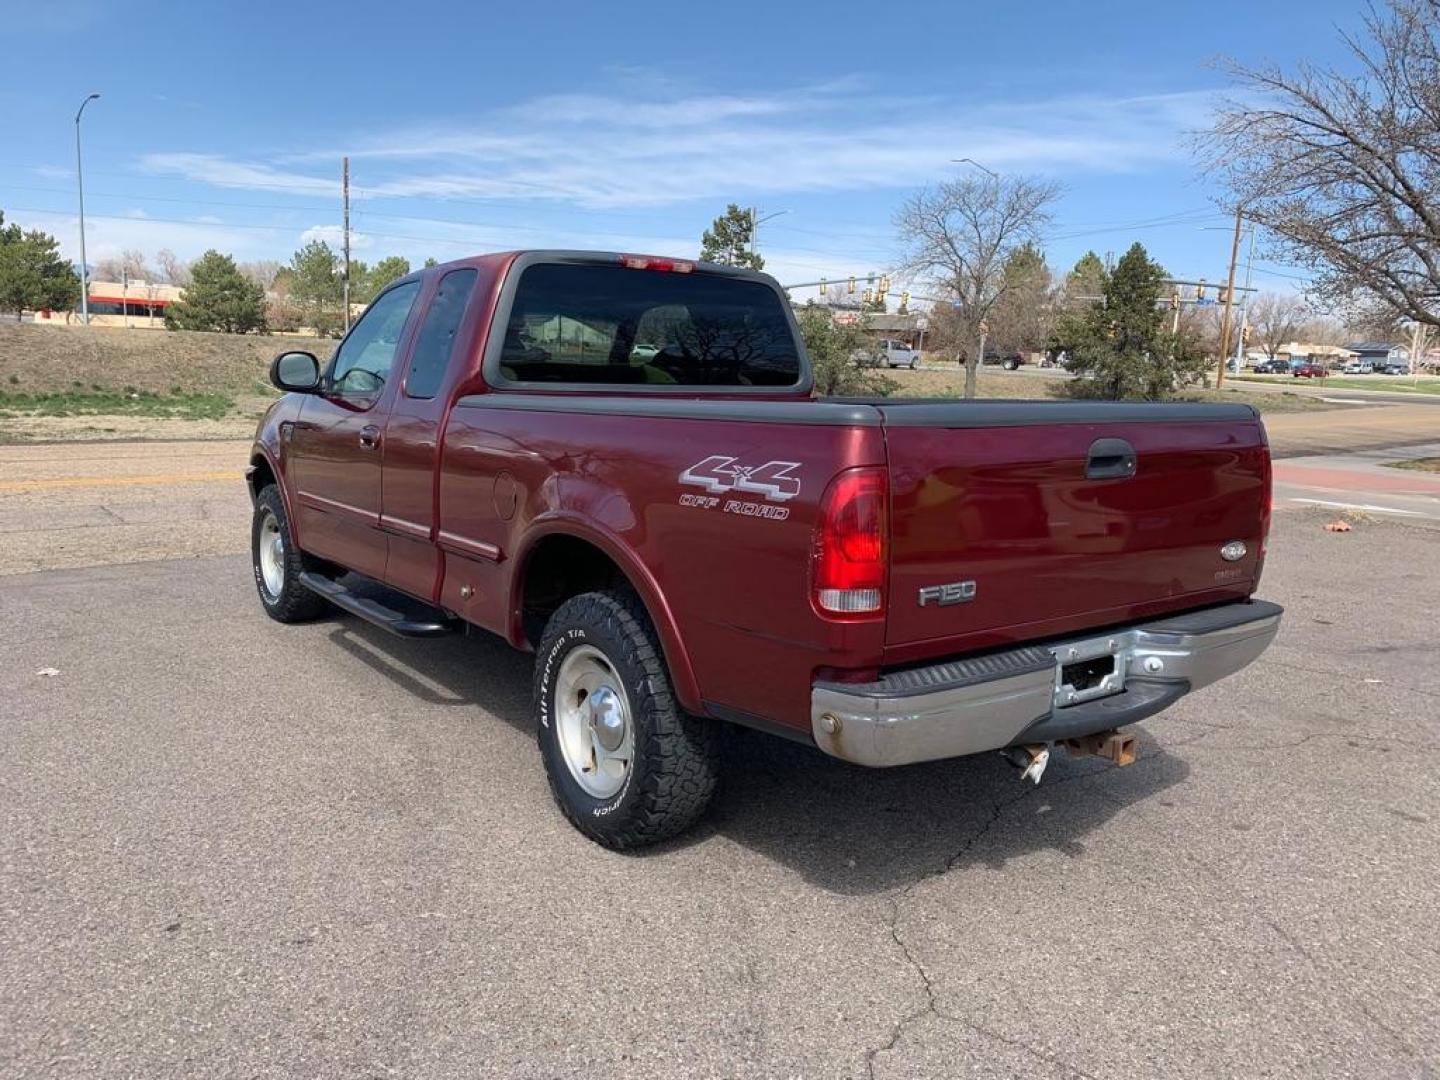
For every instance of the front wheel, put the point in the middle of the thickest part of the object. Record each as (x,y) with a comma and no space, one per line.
(626,766)
(277,563)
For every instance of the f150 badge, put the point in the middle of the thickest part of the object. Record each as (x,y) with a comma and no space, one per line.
(721,473)
(952,592)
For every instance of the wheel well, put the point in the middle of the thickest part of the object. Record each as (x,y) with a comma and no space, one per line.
(262,476)
(558,568)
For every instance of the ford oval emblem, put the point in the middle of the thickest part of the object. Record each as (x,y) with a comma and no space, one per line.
(1234,551)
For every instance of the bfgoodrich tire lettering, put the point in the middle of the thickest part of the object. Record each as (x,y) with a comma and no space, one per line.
(674,762)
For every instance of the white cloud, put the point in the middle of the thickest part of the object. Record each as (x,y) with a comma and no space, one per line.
(334,235)
(223,172)
(600,151)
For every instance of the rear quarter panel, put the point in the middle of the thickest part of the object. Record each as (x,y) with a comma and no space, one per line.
(728,588)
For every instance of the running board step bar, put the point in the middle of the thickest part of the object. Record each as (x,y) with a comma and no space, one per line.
(372,611)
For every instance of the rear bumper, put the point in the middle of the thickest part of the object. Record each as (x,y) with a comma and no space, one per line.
(966,706)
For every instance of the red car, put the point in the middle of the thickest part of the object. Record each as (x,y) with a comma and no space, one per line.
(1309,371)
(617,462)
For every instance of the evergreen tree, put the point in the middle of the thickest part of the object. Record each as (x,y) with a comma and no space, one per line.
(1087,278)
(32,273)
(218,298)
(381,274)
(837,354)
(1024,314)
(728,240)
(1121,349)
(316,288)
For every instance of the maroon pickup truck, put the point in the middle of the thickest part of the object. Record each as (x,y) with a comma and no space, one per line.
(617,462)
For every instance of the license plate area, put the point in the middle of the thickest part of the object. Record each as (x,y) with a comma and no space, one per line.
(1088,670)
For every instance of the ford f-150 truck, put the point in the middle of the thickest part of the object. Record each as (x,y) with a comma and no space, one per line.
(616,461)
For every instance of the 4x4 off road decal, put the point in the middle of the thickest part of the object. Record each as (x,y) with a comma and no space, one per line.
(719,473)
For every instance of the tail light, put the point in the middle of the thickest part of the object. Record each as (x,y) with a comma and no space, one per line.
(1267,507)
(848,572)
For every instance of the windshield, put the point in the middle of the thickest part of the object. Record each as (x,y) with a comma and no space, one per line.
(575,323)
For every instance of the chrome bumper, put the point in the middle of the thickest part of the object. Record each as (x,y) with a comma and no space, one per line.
(989,702)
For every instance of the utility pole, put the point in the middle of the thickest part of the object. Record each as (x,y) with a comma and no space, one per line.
(1245,307)
(345,199)
(80,181)
(1229,297)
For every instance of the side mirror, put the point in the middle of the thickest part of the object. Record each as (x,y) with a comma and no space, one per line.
(295,372)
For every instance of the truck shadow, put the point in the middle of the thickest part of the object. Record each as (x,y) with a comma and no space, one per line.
(841,827)
(854,830)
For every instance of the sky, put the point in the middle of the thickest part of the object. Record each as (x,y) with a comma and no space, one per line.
(625,126)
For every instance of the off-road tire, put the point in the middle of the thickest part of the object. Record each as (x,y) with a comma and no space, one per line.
(676,761)
(294,602)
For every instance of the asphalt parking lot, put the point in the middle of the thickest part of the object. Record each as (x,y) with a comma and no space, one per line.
(231,848)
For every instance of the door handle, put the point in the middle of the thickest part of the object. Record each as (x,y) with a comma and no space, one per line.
(1110,459)
(369,437)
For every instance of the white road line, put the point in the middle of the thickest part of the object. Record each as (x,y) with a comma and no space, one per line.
(1359,506)
(1351,401)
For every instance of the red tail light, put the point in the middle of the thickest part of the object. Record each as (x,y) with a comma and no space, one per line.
(1267,477)
(848,575)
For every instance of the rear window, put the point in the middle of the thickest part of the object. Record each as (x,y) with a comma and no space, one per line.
(600,324)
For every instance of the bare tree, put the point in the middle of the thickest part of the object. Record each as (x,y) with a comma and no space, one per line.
(262,272)
(129,265)
(960,234)
(1277,319)
(173,270)
(1344,167)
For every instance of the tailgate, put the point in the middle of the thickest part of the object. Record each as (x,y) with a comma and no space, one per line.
(1016,520)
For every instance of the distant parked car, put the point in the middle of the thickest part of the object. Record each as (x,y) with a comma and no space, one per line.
(1272,367)
(1010,361)
(1359,367)
(1394,367)
(891,353)
(1308,371)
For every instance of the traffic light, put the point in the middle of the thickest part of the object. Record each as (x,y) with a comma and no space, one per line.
(884,284)
(867,295)
(824,286)
(1175,300)
(1245,334)
(1200,291)
(851,289)
(905,300)
(1223,296)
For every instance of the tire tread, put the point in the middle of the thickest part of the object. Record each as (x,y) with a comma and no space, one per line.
(682,752)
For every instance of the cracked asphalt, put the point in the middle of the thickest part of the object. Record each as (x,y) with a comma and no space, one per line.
(234,849)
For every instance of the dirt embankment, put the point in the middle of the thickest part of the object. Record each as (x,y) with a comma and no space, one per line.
(59,359)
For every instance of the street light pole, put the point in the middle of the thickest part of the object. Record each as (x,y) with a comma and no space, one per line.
(80,182)
(755,223)
(971,161)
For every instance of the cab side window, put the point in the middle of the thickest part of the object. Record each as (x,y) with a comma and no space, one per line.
(431,355)
(363,362)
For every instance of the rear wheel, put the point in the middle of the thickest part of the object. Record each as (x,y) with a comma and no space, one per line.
(1012,365)
(914,362)
(626,766)
(277,563)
